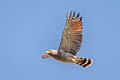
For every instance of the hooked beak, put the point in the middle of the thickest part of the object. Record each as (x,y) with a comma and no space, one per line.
(45,55)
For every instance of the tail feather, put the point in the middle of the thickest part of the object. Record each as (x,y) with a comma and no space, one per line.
(84,62)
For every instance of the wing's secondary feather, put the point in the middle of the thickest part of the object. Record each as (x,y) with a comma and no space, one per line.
(72,35)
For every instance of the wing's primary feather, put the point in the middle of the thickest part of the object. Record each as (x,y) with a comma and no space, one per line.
(72,35)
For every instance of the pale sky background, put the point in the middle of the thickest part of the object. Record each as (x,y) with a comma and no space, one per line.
(30,27)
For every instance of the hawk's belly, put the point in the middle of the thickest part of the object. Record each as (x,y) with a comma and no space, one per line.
(65,57)
(69,60)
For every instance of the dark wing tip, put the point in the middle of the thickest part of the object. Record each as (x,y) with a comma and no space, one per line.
(74,14)
(81,18)
(78,15)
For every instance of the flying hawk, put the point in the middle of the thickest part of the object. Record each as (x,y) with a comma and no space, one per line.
(70,42)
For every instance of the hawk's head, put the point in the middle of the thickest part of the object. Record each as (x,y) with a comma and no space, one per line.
(49,52)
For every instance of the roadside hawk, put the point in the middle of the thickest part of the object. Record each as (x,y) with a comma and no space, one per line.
(70,42)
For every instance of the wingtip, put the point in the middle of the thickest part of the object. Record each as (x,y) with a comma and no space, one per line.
(74,13)
(78,15)
(81,18)
(67,17)
(70,14)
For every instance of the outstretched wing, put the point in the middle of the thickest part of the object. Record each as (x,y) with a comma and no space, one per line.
(72,34)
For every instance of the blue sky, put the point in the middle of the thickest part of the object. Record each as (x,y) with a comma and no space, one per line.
(30,27)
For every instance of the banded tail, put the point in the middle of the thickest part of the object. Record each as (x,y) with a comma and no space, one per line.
(84,62)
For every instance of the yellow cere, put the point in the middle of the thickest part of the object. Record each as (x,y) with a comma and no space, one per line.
(48,51)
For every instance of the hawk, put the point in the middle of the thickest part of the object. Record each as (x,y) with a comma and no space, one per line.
(70,42)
